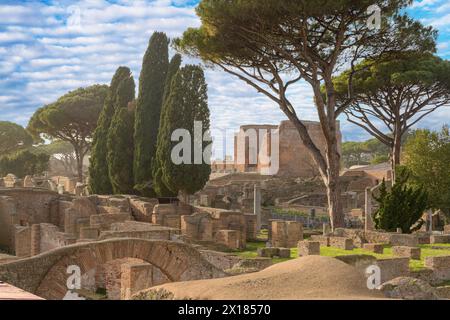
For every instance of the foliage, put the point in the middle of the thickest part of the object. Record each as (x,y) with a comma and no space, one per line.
(23,163)
(99,182)
(273,45)
(13,137)
(148,110)
(160,188)
(187,103)
(402,206)
(60,151)
(72,118)
(427,156)
(364,153)
(393,94)
(120,143)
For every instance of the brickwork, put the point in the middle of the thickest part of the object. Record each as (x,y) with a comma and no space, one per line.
(409,252)
(45,275)
(308,248)
(134,278)
(286,234)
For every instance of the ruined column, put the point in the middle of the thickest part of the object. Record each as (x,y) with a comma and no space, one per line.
(35,239)
(257,206)
(134,278)
(368,225)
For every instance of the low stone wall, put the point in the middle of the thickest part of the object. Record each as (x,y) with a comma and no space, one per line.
(445,238)
(440,266)
(142,210)
(390,268)
(104,221)
(360,237)
(220,260)
(447,229)
(22,241)
(147,235)
(51,238)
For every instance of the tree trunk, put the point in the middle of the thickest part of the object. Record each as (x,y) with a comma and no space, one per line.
(329,170)
(395,154)
(335,210)
(79,160)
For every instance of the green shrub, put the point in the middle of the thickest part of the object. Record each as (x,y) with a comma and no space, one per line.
(402,206)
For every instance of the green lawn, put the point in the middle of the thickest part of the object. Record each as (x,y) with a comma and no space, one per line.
(427,251)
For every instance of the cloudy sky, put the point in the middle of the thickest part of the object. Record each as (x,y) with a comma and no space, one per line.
(50,47)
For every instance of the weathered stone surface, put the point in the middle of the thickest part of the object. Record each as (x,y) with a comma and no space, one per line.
(440,238)
(359,261)
(407,288)
(134,278)
(267,252)
(392,268)
(447,229)
(355,234)
(341,243)
(439,262)
(284,253)
(308,248)
(229,238)
(410,252)
(91,233)
(286,234)
(46,274)
(374,247)
(323,240)
(443,292)
(257,263)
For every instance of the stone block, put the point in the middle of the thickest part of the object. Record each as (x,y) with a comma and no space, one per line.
(229,238)
(424,239)
(406,240)
(341,243)
(374,247)
(447,229)
(284,253)
(438,262)
(392,268)
(267,252)
(308,248)
(323,240)
(409,252)
(445,238)
(134,278)
(286,233)
(89,233)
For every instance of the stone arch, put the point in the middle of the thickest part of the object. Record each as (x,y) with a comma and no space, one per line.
(46,275)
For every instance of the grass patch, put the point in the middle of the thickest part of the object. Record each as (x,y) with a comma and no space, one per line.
(415,265)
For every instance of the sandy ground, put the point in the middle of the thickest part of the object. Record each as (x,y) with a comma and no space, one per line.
(307,278)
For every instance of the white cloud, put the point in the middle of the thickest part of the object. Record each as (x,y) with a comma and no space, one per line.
(42,57)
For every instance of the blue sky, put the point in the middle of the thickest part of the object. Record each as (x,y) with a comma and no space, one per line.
(50,47)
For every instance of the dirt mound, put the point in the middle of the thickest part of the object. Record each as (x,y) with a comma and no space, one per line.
(311,277)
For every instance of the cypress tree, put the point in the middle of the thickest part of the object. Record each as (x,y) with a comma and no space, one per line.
(98,170)
(158,185)
(148,110)
(120,140)
(187,103)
